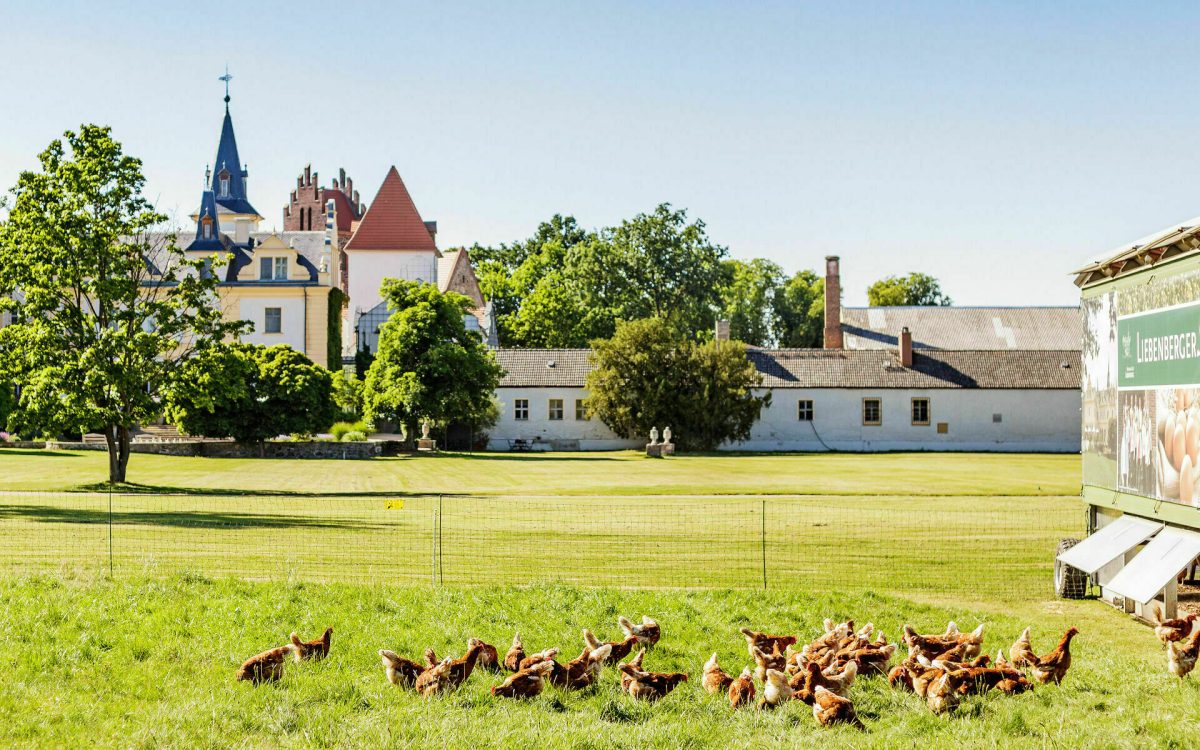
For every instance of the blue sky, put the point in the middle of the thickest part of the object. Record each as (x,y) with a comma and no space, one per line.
(995,145)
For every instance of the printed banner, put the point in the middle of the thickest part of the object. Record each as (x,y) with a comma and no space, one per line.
(1160,347)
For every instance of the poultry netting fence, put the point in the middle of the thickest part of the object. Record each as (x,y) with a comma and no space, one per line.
(930,545)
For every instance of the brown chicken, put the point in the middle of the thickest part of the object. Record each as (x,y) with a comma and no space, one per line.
(435,679)
(526,683)
(943,693)
(265,667)
(1181,657)
(715,680)
(830,708)
(651,686)
(618,650)
(647,633)
(515,655)
(1172,630)
(776,690)
(932,646)
(400,671)
(1053,666)
(1021,652)
(768,644)
(764,661)
(489,657)
(900,678)
(741,690)
(636,663)
(315,649)
(584,670)
(461,668)
(558,673)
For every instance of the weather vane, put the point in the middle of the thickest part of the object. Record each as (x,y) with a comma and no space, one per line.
(226,78)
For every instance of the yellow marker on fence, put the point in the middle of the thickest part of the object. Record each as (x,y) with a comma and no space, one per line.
(395,505)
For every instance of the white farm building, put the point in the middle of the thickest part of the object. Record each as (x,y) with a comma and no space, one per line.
(901,378)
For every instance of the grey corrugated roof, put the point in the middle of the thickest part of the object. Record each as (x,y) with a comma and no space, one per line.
(965,328)
(532,367)
(819,368)
(879,368)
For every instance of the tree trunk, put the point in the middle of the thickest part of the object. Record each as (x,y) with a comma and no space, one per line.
(117,437)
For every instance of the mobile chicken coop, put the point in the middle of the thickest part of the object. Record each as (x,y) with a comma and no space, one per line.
(1141,423)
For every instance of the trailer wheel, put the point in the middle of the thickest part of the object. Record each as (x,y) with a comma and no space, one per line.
(1069,583)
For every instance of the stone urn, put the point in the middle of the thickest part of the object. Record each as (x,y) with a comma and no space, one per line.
(653,436)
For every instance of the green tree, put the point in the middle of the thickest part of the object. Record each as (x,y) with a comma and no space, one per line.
(251,393)
(429,366)
(107,309)
(915,289)
(800,311)
(749,300)
(649,374)
(348,395)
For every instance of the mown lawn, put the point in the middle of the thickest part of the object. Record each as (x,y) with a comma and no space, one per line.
(618,473)
(150,663)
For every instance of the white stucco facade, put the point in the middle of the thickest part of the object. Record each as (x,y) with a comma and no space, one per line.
(538,429)
(1029,420)
(366,270)
(254,309)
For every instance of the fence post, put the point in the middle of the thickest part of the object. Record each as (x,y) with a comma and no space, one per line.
(764,543)
(110,533)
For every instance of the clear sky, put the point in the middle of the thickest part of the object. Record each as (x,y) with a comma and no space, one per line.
(995,145)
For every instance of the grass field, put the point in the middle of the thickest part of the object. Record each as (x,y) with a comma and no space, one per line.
(150,663)
(251,550)
(620,473)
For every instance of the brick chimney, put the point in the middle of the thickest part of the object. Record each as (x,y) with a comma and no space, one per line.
(905,347)
(833,303)
(722,333)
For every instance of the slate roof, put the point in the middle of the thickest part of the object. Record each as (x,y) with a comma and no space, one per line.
(965,328)
(392,222)
(308,246)
(819,368)
(208,209)
(228,160)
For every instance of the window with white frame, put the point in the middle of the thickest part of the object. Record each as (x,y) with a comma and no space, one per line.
(556,409)
(281,269)
(580,410)
(804,410)
(207,229)
(273,269)
(920,411)
(521,409)
(872,411)
(224,182)
(274,320)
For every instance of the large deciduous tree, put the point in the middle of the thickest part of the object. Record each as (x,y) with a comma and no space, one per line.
(915,289)
(800,311)
(651,375)
(251,393)
(429,367)
(106,308)
(750,300)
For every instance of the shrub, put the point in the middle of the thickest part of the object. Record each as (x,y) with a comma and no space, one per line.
(354,436)
(341,429)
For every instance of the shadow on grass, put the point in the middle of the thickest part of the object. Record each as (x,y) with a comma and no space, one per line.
(529,455)
(42,452)
(135,488)
(177,519)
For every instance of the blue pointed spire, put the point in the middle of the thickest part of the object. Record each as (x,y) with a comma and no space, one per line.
(207,238)
(229,179)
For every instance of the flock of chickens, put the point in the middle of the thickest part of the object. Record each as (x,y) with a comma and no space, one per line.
(940,668)
(1181,636)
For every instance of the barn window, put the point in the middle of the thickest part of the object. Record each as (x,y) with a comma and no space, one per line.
(872,412)
(274,320)
(920,411)
(804,410)
(556,409)
(580,410)
(521,409)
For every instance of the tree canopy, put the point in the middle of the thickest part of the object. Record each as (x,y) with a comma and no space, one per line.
(105,308)
(915,289)
(429,367)
(650,375)
(251,393)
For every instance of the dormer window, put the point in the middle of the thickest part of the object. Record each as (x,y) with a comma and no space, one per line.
(273,269)
(206,229)
(223,183)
